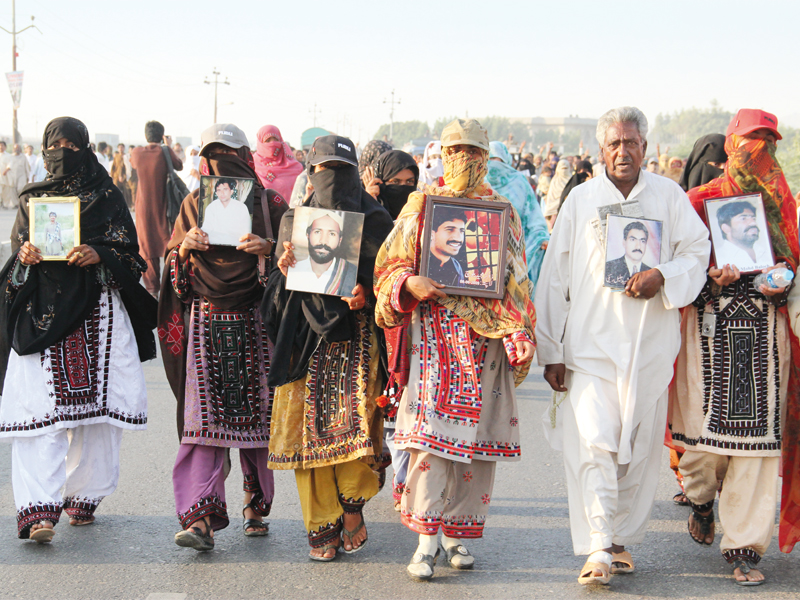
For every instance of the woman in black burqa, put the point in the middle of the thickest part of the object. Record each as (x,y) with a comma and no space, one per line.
(73,336)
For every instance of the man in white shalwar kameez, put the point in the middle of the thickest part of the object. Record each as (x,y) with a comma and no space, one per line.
(611,351)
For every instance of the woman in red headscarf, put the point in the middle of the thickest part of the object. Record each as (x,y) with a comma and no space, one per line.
(735,401)
(275,165)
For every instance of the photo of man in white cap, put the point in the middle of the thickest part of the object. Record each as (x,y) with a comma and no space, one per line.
(325,271)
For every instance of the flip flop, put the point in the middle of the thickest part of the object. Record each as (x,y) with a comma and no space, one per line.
(43,535)
(350,535)
(324,549)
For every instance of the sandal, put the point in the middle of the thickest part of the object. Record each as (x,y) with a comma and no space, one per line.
(745,566)
(706,521)
(195,538)
(421,566)
(260,527)
(587,575)
(351,534)
(624,559)
(459,557)
(43,535)
(680,499)
(324,549)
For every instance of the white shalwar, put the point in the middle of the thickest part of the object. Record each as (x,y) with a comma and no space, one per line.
(618,353)
(65,409)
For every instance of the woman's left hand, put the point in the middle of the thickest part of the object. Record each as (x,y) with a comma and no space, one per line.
(358,299)
(83,256)
(253,244)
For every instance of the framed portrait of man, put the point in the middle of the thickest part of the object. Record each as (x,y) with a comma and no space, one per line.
(464,245)
(225,209)
(327,244)
(633,245)
(55,225)
(739,232)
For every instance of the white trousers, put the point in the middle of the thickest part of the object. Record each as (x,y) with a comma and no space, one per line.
(69,469)
(608,502)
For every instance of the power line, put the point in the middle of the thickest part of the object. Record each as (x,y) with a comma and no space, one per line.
(391,116)
(216,83)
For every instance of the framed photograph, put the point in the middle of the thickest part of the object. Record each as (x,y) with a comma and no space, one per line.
(633,244)
(225,209)
(55,225)
(327,244)
(464,245)
(739,232)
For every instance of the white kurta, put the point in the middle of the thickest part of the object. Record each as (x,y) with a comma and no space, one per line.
(628,342)
(619,353)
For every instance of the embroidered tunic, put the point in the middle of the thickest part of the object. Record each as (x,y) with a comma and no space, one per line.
(460,402)
(93,375)
(227,401)
(331,416)
(729,388)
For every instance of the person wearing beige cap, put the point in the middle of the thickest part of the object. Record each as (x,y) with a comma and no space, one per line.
(457,416)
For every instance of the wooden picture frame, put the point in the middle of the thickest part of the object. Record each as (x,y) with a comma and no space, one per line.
(476,266)
(747,254)
(54,225)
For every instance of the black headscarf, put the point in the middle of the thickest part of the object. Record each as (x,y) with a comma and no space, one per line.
(697,171)
(394,197)
(295,320)
(372,150)
(57,297)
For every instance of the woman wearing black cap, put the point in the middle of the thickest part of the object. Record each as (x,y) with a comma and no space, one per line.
(80,327)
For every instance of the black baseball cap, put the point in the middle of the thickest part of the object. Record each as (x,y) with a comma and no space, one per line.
(328,148)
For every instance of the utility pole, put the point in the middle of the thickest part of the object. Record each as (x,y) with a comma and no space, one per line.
(391,116)
(216,83)
(14,33)
(315,111)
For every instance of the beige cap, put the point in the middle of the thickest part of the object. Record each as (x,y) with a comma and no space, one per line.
(465,131)
(319,213)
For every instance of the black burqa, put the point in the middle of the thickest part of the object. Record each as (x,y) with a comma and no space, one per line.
(393,197)
(56,298)
(297,321)
(697,171)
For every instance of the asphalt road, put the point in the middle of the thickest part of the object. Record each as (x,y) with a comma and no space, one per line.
(526,552)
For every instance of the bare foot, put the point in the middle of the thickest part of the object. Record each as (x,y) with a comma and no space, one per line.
(329,553)
(350,523)
(753,575)
(696,530)
(42,525)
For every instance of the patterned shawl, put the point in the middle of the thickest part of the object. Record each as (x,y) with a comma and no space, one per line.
(752,167)
(487,317)
(511,184)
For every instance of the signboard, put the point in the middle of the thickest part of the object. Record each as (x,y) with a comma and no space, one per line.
(15,86)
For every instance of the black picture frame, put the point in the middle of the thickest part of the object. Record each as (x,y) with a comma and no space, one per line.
(481,257)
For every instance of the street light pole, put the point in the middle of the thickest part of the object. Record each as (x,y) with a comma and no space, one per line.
(14,33)
(216,84)
(391,116)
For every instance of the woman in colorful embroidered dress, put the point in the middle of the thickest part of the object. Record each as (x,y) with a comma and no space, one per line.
(513,185)
(735,399)
(326,423)
(458,413)
(80,329)
(218,365)
(276,167)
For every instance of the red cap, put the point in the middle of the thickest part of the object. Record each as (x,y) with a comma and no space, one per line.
(750,119)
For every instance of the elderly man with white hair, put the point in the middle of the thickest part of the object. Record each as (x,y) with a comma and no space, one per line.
(612,352)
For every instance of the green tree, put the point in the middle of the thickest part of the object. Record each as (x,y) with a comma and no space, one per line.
(404,131)
(681,129)
(789,156)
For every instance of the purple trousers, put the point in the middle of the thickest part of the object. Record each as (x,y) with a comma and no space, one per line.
(199,483)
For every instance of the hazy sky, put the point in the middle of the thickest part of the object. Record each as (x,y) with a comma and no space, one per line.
(116,64)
